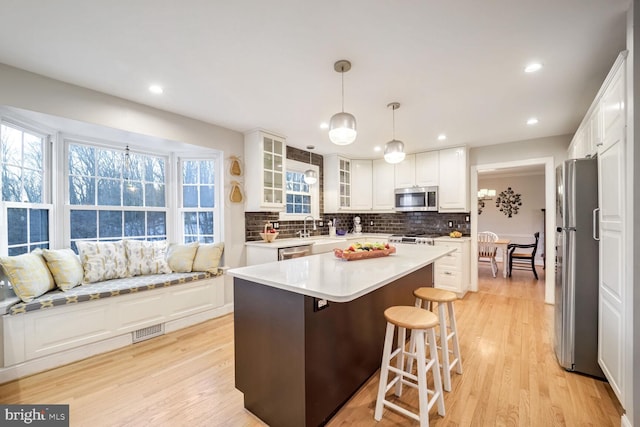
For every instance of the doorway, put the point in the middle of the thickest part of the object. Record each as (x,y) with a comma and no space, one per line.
(549,215)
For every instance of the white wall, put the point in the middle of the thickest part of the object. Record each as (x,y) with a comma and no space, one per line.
(529,219)
(22,89)
(552,146)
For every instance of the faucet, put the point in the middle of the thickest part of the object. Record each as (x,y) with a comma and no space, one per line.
(304,234)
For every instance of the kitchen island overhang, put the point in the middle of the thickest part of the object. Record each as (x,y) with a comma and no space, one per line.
(298,360)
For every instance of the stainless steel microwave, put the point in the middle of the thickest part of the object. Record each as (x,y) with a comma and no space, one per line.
(416,199)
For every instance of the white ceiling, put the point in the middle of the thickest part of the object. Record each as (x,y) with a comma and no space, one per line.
(455,66)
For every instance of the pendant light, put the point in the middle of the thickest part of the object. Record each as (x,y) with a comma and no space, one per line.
(394,149)
(342,127)
(310,176)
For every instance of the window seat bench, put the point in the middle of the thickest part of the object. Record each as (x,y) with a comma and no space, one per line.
(61,327)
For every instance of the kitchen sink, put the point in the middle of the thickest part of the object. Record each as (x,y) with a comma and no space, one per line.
(327,244)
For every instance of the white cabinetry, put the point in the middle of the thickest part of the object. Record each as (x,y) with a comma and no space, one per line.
(361,182)
(265,155)
(615,302)
(427,169)
(453,193)
(383,197)
(337,183)
(451,272)
(405,172)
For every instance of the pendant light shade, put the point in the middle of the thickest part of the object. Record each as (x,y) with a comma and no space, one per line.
(342,127)
(310,176)
(394,149)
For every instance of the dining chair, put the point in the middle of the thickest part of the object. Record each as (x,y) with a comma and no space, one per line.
(487,249)
(523,256)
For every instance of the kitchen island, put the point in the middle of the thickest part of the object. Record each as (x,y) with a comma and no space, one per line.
(309,331)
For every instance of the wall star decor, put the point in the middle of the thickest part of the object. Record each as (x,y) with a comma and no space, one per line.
(508,201)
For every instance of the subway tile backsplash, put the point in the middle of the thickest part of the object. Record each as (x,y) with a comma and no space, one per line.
(391,223)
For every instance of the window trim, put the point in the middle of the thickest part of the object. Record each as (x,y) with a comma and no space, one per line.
(301,167)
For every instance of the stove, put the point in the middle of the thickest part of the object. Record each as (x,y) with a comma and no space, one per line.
(413,239)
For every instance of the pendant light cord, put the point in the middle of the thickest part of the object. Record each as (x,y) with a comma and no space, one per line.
(394,122)
(342,75)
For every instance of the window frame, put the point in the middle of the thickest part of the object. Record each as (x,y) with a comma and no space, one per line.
(218,200)
(47,178)
(314,191)
(67,140)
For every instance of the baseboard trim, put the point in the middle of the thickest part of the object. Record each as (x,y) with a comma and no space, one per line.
(625,422)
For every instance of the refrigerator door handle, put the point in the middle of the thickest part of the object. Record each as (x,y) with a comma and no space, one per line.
(596,235)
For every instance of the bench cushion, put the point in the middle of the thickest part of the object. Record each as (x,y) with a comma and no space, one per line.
(108,288)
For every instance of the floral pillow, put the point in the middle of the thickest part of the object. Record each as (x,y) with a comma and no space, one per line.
(102,260)
(146,257)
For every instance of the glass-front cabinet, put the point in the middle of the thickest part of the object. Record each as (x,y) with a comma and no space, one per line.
(265,167)
(338,175)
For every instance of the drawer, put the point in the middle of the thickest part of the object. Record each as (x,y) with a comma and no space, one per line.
(447,276)
(456,245)
(452,260)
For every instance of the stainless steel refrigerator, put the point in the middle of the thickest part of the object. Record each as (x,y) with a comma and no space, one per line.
(576,290)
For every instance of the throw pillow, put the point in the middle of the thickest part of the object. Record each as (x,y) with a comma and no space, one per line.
(180,257)
(146,257)
(28,274)
(208,257)
(102,260)
(65,267)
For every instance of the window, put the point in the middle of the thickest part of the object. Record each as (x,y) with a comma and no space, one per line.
(302,198)
(115,194)
(24,214)
(199,209)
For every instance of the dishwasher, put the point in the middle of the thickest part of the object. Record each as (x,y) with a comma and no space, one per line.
(294,252)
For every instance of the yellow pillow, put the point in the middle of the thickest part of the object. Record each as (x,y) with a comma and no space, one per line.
(180,257)
(208,257)
(28,274)
(65,267)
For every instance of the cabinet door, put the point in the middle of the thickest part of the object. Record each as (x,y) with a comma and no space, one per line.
(361,184)
(337,183)
(264,172)
(383,185)
(595,132)
(427,169)
(614,291)
(405,172)
(453,193)
(451,272)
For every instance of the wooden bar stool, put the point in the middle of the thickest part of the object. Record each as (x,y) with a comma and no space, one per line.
(448,331)
(421,323)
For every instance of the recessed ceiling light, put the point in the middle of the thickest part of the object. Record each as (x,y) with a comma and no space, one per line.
(532,121)
(157,89)
(377,148)
(533,67)
(442,137)
(324,125)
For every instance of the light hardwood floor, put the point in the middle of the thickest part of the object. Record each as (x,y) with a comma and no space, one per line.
(186,378)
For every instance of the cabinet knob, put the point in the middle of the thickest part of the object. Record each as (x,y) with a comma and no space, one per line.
(448,273)
(598,144)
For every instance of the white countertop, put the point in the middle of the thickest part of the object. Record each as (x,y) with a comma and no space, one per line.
(325,276)
(452,239)
(296,241)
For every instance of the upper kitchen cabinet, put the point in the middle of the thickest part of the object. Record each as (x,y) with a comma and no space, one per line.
(383,185)
(361,182)
(337,183)
(265,157)
(453,192)
(427,169)
(405,172)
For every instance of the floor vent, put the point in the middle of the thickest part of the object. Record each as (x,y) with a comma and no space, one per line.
(148,332)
